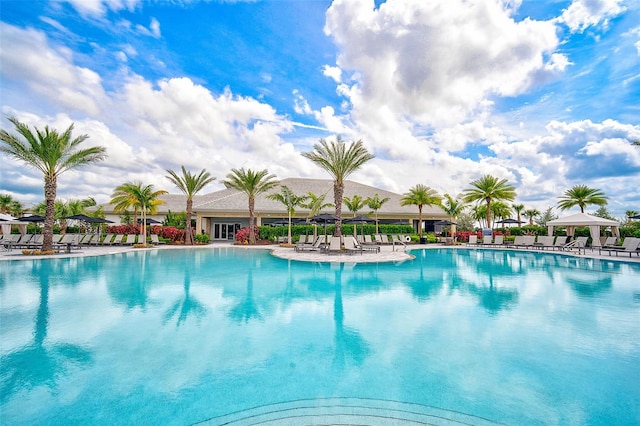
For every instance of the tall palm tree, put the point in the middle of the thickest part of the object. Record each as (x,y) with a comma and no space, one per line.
(340,161)
(421,195)
(500,210)
(190,185)
(582,195)
(291,201)
(518,208)
(52,153)
(375,203)
(489,188)
(531,213)
(251,183)
(141,197)
(453,207)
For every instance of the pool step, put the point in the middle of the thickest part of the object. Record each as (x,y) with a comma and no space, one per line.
(346,411)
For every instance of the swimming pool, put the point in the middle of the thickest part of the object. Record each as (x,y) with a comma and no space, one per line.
(234,336)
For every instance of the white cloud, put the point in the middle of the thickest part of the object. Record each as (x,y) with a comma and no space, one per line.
(334,73)
(99,8)
(152,31)
(582,14)
(436,61)
(49,71)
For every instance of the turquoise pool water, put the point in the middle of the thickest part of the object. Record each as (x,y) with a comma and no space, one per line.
(233,336)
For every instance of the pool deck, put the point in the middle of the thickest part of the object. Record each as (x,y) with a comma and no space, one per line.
(387,253)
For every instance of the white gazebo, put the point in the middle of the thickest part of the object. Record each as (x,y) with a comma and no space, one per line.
(8,221)
(582,219)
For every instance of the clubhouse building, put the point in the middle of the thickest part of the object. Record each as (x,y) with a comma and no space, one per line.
(222,213)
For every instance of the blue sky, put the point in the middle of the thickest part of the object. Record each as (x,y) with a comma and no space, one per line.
(542,93)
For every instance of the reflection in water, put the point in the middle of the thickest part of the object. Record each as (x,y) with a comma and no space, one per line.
(349,344)
(247,309)
(39,363)
(415,331)
(188,305)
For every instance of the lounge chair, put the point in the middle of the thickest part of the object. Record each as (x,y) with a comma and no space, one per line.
(630,245)
(155,240)
(107,240)
(316,246)
(117,241)
(368,240)
(131,240)
(351,245)
(487,240)
(518,241)
(335,245)
(610,242)
(560,242)
(473,240)
(36,241)
(302,239)
(544,242)
(498,241)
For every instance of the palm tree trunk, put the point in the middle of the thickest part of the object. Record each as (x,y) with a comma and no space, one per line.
(252,202)
(420,220)
(188,235)
(50,186)
(289,233)
(338,192)
(489,213)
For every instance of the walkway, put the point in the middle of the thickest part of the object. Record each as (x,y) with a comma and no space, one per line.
(387,253)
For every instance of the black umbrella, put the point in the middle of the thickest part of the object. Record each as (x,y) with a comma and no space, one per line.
(359,220)
(635,217)
(509,221)
(444,223)
(279,222)
(324,218)
(150,221)
(33,218)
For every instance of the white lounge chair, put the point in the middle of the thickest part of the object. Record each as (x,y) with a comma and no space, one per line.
(335,245)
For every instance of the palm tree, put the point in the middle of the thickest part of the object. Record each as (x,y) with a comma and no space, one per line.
(52,153)
(581,195)
(518,208)
(489,188)
(291,201)
(251,183)
(531,213)
(421,195)
(375,203)
(141,197)
(190,185)
(500,210)
(315,204)
(453,207)
(354,204)
(340,161)
(6,203)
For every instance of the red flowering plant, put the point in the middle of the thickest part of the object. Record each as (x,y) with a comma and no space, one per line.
(171,233)
(242,236)
(123,229)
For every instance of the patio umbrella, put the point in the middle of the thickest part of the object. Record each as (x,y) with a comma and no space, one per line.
(324,218)
(150,221)
(33,218)
(509,221)
(635,217)
(359,220)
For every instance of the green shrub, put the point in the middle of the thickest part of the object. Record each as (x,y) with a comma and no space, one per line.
(202,238)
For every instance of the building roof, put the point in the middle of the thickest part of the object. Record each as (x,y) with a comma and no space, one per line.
(230,201)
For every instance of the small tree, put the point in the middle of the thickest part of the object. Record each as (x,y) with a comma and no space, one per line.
(375,203)
(545,217)
(190,184)
(291,201)
(531,214)
(252,184)
(421,195)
